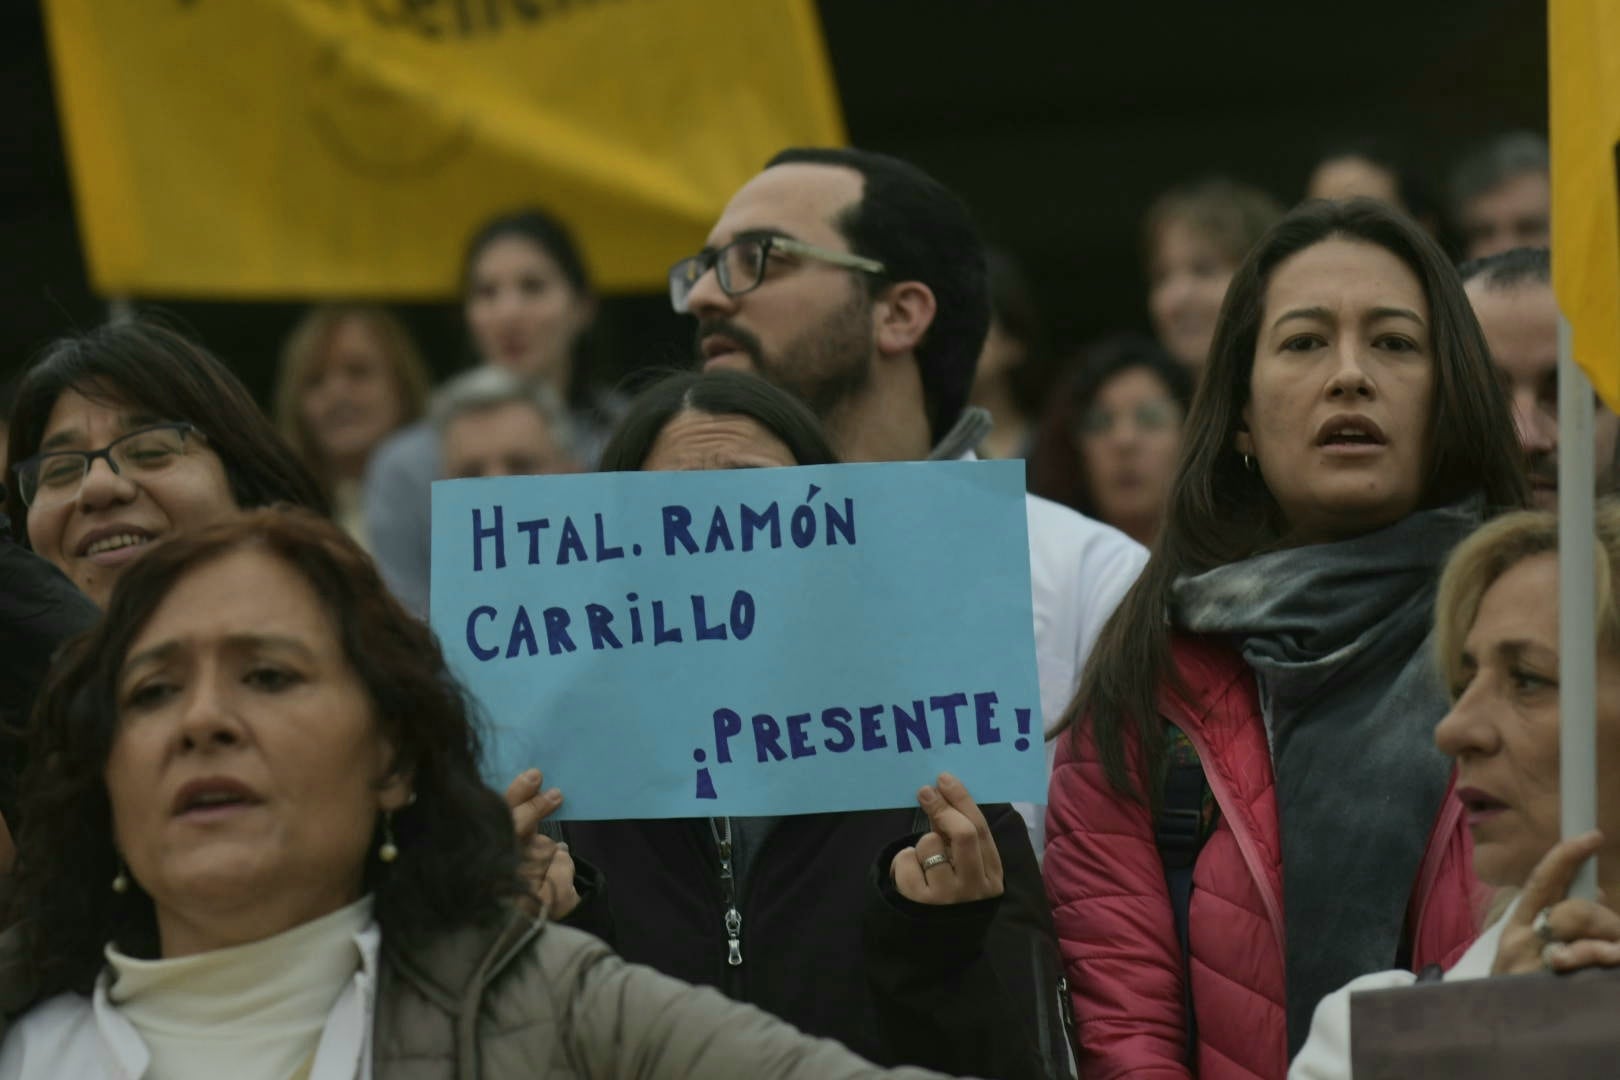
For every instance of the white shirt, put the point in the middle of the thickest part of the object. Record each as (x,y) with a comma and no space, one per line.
(1326,1053)
(250,1012)
(1079,570)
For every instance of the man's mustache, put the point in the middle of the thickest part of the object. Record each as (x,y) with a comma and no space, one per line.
(719,327)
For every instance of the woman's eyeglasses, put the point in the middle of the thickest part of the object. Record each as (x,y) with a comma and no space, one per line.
(1149,416)
(55,477)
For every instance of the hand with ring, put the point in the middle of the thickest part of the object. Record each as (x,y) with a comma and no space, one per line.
(957,861)
(1547,932)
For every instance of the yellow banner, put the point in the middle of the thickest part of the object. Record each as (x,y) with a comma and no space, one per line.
(1584,68)
(309,148)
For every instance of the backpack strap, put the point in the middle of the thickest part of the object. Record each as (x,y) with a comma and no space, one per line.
(1178,832)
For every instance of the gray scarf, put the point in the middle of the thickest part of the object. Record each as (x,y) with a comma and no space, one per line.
(1338,638)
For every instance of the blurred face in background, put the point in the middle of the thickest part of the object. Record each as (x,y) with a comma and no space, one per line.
(509,439)
(353,398)
(1521,328)
(523,312)
(1186,283)
(1515,213)
(1353,177)
(1128,442)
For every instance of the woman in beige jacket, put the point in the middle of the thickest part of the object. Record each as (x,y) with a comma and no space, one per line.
(258,846)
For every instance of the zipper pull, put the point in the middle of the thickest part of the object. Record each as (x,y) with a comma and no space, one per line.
(734,937)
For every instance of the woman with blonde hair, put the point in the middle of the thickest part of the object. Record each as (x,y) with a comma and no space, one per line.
(350,376)
(1497,643)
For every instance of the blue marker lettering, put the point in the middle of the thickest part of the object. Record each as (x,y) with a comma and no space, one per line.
(719,533)
(984,709)
(496,532)
(843,737)
(798,738)
(472,633)
(678,526)
(766,736)
(912,725)
(872,737)
(557,639)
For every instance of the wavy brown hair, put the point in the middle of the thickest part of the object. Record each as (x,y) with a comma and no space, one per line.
(458,858)
(1221,513)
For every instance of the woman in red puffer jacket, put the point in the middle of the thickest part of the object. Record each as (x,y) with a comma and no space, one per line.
(1349,432)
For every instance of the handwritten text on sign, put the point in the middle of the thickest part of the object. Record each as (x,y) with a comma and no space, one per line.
(760,641)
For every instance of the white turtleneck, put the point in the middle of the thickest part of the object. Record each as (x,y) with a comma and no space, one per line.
(290,1007)
(249,1011)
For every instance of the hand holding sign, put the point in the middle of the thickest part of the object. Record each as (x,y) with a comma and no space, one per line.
(546,864)
(971,869)
(1574,934)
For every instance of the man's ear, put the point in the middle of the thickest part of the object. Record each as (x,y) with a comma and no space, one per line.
(902,317)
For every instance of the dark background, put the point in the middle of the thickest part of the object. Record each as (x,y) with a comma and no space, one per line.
(1059,123)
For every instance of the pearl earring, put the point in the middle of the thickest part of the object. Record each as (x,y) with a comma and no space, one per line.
(120,883)
(388,852)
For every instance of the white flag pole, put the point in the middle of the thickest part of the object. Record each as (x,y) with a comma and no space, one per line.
(1577,607)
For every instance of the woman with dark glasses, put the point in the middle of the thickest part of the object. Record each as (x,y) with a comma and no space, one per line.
(121,438)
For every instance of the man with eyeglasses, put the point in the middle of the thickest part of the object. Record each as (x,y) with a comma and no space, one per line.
(858,283)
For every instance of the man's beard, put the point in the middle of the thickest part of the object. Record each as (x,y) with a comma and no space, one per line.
(826,367)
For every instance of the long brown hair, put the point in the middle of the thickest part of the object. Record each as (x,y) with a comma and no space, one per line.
(1220,512)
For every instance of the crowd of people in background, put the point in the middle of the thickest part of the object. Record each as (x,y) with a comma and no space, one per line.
(1344,417)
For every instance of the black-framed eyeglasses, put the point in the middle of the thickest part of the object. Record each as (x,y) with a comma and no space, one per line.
(740,265)
(55,477)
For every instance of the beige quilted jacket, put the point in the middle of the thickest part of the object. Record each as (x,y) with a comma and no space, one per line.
(541,1002)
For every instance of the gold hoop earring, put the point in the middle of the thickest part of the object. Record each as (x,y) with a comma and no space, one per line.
(1248,463)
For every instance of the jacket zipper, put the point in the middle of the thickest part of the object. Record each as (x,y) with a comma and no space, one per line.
(720,828)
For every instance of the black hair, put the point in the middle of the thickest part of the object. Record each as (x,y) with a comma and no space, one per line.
(1507,269)
(1220,512)
(920,231)
(150,366)
(718,393)
(1496,161)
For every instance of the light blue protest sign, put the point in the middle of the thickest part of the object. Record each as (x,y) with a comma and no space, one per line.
(758,641)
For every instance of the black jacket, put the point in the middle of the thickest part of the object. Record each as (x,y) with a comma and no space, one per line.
(39,609)
(829,945)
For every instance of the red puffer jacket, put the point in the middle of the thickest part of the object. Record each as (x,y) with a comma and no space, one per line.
(1112,907)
